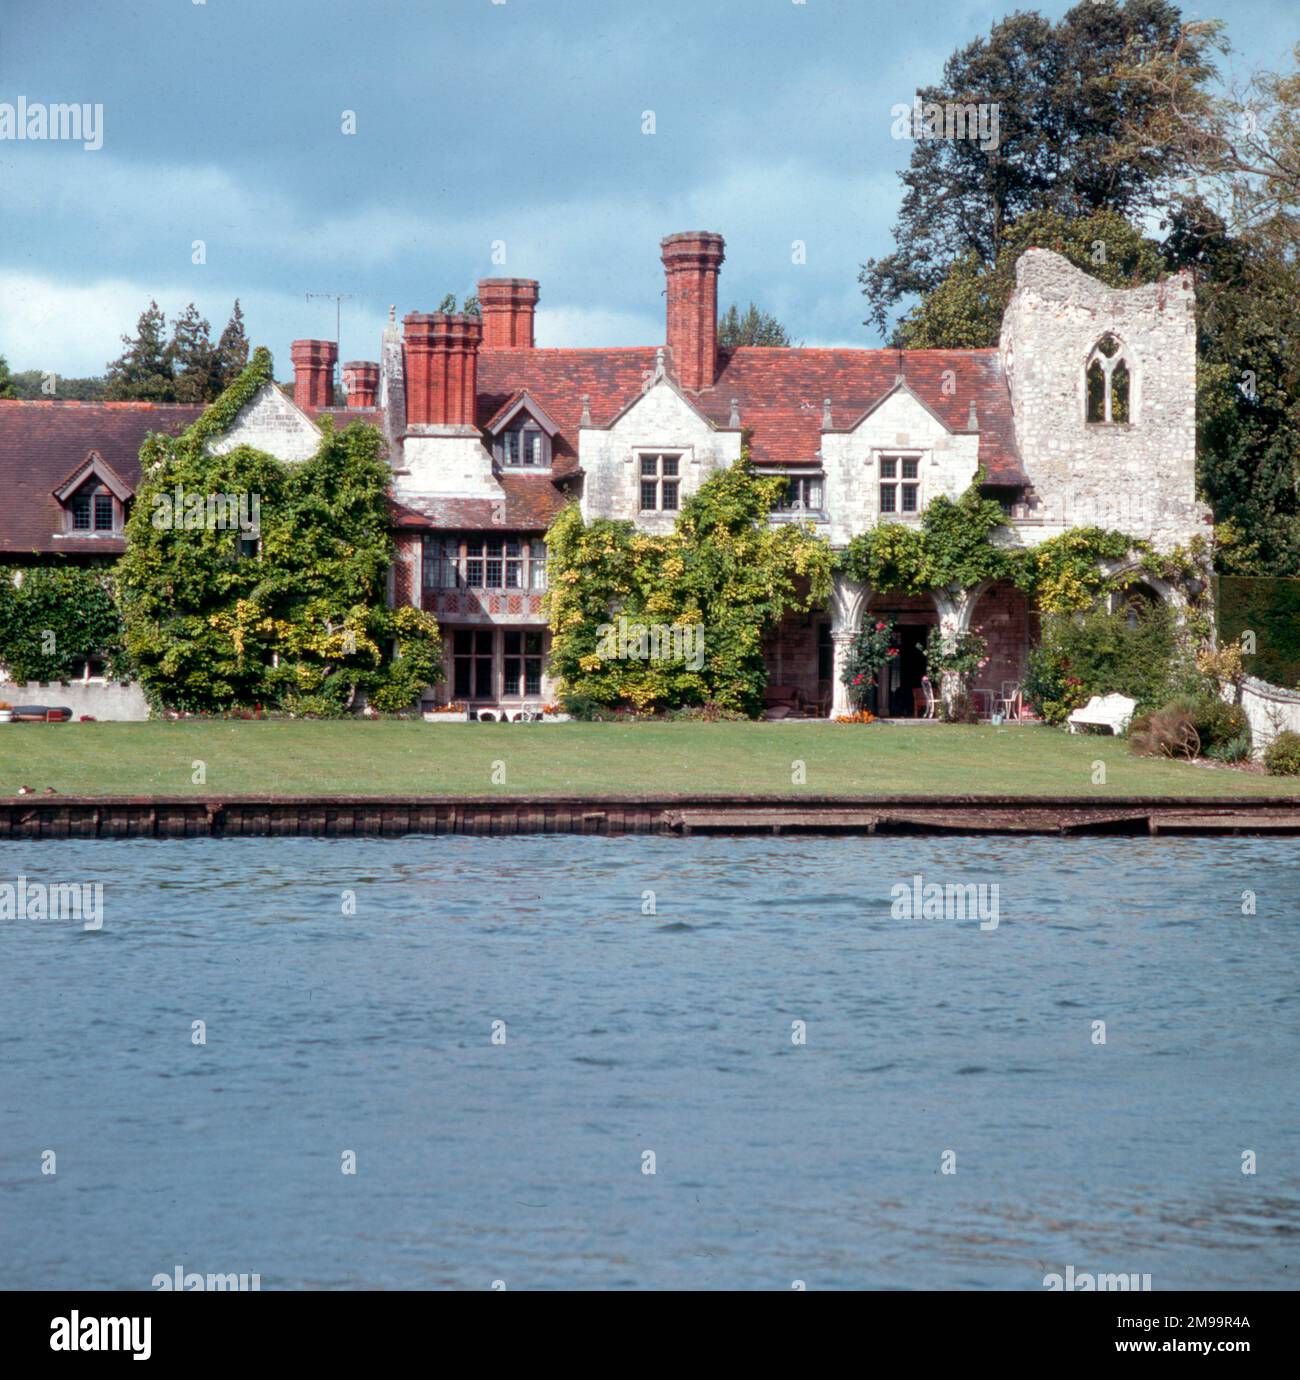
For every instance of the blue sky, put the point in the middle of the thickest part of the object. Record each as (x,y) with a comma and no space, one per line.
(476,122)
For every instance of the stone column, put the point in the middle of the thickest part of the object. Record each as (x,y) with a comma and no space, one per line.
(848,599)
(955,608)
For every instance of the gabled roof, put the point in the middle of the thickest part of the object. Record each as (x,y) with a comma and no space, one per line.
(521,401)
(94,464)
(43,444)
(779,394)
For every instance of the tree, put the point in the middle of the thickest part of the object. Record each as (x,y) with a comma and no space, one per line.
(470,306)
(38,383)
(143,372)
(1240,150)
(964,311)
(1061,102)
(194,362)
(1248,398)
(232,348)
(6,383)
(754,328)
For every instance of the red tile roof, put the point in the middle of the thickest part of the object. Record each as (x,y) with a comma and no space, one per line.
(41,443)
(531,502)
(779,393)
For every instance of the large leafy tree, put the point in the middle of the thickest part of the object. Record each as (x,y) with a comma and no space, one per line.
(1238,148)
(36,383)
(964,310)
(6,383)
(1063,100)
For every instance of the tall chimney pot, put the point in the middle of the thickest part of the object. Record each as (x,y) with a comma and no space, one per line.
(441,351)
(691,262)
(361,380)
(508,306)
(313,372)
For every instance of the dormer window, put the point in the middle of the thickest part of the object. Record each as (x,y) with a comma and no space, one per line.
(93,499)
(522,435)
(1109,381)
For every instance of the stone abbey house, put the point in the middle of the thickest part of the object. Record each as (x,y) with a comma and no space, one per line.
(1083,415)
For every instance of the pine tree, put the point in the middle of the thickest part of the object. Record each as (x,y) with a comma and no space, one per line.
(232,349)
(754,328)
(143,372)
(195,363)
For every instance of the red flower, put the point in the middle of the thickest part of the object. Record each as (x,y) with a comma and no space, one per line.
(880,627)
(893,651)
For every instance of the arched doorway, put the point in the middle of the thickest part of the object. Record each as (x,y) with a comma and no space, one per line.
(913,615)
(1135,601)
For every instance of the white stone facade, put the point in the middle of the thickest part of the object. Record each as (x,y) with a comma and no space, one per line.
(1136,476)
(270,422)
(660,421)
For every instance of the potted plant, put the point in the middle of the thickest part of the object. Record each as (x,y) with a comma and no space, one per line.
(6,712)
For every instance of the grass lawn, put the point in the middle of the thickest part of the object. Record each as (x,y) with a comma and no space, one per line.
(392,757)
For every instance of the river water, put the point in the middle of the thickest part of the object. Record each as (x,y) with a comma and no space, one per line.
(508,1034)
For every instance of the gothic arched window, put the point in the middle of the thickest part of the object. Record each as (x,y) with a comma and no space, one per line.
(1109,382)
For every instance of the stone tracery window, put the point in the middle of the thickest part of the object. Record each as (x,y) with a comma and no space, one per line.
(1109,382)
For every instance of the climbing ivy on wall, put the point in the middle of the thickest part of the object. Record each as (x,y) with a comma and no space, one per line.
(52,618)
(291,616)
(723,569)
(956,547)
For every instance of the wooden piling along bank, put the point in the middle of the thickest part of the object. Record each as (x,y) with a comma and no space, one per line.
(168,817)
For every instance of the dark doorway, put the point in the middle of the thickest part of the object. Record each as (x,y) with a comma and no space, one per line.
(911,667)
(895,695)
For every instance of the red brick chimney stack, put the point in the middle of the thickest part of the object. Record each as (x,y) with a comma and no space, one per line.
(441,352)
(691,262)
(361,380)
(508,305)
(313,372)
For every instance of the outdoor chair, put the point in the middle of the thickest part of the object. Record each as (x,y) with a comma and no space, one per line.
(926,701)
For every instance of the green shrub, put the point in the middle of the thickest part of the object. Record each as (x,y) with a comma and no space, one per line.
(1192,726)
(1282,756)
(1269,607)
(1233,750)
(1099,653)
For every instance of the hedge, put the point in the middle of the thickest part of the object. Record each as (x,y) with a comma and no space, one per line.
(1268,606)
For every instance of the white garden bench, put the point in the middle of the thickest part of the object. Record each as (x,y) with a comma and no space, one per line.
(1104,711)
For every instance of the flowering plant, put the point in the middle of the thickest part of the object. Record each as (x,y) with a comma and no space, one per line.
(957,654)
(869,652)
